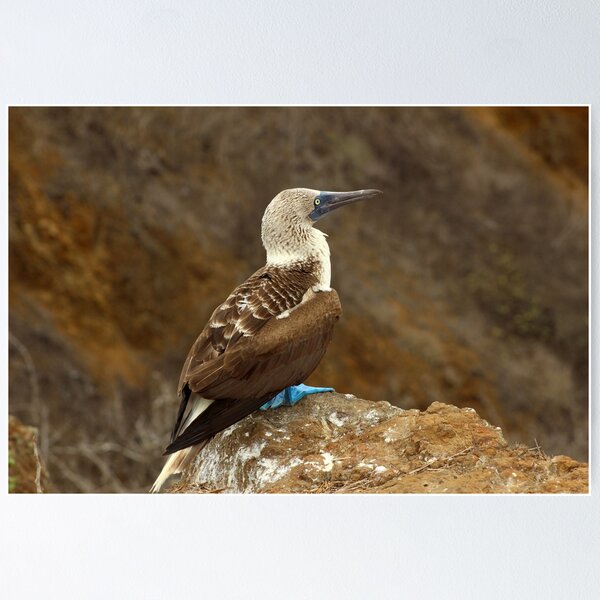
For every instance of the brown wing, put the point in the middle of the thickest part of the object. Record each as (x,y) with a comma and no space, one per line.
(283,353)
(266,294)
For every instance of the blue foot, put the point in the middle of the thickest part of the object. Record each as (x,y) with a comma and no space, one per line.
(292,395)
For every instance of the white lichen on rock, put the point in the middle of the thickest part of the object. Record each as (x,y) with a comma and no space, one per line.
(336,419)
(327,461)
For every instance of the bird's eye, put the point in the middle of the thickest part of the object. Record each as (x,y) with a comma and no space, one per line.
(317,201)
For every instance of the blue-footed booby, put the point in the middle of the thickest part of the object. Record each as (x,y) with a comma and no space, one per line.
(269,335)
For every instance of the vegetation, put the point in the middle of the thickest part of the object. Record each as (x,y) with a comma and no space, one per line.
(12,481)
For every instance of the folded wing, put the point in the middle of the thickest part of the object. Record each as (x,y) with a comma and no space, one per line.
(255,365)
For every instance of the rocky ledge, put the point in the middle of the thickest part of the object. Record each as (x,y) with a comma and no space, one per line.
(337,443)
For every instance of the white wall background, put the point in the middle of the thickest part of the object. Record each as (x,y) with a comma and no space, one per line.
(325,52)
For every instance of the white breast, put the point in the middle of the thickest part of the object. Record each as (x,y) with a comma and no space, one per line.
(310,246)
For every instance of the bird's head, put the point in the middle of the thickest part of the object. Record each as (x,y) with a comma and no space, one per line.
(289,218)
(303,207)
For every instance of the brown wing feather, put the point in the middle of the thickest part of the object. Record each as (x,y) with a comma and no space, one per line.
(283,353)
(275,357)
(266,294)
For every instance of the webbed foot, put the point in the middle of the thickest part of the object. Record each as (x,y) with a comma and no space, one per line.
(292,395)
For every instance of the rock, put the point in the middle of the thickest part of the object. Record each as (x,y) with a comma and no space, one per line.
(338,443)
(26,474)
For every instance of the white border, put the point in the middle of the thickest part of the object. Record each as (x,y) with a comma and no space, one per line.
(166,52)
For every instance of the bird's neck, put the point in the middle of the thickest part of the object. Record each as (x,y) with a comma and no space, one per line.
(298,247)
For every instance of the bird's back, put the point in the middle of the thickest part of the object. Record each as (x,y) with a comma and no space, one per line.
(283,353)
(267,293)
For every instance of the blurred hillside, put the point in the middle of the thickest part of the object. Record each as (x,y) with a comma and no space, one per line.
(466,283)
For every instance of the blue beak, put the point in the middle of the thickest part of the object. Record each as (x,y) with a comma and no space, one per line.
(325,202)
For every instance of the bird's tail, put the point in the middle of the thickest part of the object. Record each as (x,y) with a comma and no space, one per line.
(176,463)
(179,461)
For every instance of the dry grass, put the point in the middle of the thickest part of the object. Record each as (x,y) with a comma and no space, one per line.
(121,458)
(113,449)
